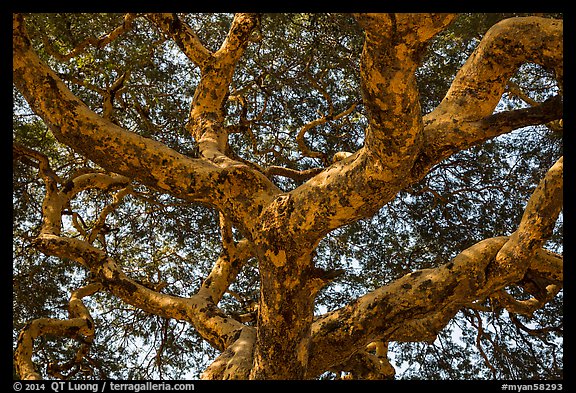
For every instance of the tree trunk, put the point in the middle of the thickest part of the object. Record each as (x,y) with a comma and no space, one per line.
(282,230)
(283,333)
(287,290)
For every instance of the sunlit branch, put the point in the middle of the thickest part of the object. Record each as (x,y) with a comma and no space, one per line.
(110,146)
(215,327)
(226,232)
(529,306)
(79,326)
(94,180)
(148,161)
(240,33)
(480,83)
(183,35)
(304,149)
(236,361)
(206,113)
(387,76)
(435,295)
(462,280)
(106,270)
(535,228)
(370,363)
(447,135)
(56,199)
(466,117)
(233,257)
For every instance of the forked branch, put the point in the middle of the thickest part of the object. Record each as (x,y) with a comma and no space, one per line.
(416,306)
(79,326)
(99,42)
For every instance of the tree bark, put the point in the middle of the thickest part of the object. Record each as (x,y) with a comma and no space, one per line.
(282,229)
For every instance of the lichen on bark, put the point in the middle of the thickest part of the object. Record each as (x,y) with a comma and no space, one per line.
(281,229)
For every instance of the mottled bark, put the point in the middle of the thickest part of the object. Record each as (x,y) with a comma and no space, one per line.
(465,115)
(232,187)
(418,305)
(282,229)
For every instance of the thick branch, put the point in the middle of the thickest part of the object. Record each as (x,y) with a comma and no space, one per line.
(447,135)
(465,115)
(236,190)
(225,270)
(420,303)
(413,308)
(525,307)
(184,36)
(535,228)
(361,183)
(358,185)
(435,295)
(236,361)
(392,51)
(112,147)
(482,80)
(383,312)
(200,310)
(214,326)
(206,113)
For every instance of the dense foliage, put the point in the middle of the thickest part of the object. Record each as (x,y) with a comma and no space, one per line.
(299,68)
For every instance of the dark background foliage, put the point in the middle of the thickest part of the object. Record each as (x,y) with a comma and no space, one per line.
(302,65)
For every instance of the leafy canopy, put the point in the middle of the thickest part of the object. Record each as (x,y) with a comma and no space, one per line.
(300,67)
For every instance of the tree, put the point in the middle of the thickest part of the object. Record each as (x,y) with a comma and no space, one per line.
(302,192)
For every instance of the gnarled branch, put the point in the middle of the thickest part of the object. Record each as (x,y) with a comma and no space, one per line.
(184,36)
(79,326)
(127,153)
(419,304)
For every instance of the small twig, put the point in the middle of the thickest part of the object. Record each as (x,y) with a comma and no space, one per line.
(532,332)
(110,95)
(479,343)
(99,42)
(306,151)
(100,228)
